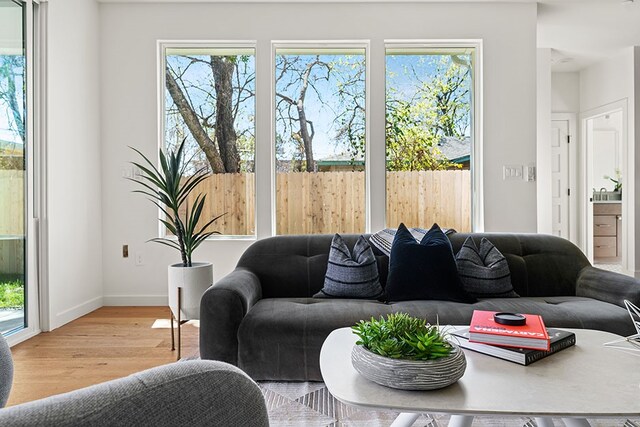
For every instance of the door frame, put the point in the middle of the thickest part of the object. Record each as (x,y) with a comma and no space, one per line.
(34,190)
(586,187)
(572,118)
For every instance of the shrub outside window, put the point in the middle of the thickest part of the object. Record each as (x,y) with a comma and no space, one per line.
(429,136)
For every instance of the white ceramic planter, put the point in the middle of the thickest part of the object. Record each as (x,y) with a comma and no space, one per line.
(194,281)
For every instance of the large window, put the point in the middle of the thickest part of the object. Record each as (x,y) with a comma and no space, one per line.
(319,133)
(429,135)
(210,102)
(320,140)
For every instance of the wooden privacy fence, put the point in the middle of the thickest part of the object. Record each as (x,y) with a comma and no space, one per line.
(11,221)
(320,202)
(11,202)
(330,202)
(233,193)
(420,198)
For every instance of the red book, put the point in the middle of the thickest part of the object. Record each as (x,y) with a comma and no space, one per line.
(533,334)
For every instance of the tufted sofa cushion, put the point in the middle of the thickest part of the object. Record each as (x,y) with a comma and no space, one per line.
(294,266)
(280,338)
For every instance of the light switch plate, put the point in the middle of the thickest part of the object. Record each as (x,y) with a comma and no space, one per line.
(510,172)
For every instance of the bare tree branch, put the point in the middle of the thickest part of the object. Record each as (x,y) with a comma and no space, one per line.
(192,122)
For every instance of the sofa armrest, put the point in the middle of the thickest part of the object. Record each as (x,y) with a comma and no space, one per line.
(607,286)
(193,393)
(222,308)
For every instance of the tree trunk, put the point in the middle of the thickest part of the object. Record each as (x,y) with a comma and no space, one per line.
(226,136)
(307,138)
(191,120)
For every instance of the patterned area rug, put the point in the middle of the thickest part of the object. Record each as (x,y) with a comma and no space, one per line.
(309,404)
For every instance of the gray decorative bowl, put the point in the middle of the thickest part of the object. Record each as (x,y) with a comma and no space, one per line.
(409,374)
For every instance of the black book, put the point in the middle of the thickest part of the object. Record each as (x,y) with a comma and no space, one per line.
(559,340)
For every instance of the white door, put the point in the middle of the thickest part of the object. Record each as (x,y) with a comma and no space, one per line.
(560,193)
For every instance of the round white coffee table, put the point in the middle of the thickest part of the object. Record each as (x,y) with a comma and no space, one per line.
(587,380)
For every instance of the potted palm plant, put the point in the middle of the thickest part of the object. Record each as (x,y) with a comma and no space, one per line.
(169,187)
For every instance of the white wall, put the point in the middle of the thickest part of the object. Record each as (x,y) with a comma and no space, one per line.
(73,175)
(607,81)
(614,81)
(543,152)
(634,153)
(565,92)
(129,108)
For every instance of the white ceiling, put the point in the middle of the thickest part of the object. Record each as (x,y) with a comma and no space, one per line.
(583,32)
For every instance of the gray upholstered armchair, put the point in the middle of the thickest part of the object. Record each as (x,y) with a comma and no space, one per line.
(194,393)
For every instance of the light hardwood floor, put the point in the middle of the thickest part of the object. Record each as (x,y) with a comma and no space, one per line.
(109,343)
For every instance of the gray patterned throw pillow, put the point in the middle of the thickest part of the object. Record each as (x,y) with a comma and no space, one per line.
(484,272)
(351,275)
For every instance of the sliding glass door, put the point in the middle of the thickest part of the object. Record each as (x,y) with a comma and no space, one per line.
(13,167)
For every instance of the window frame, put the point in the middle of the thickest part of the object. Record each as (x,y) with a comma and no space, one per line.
(36,298)
(476,165)
(162,46)
(322,44)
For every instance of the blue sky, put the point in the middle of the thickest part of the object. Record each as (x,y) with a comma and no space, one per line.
(7,126)
(323,114)
(400,76)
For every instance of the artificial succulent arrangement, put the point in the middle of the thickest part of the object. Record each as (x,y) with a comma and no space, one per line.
(401,336)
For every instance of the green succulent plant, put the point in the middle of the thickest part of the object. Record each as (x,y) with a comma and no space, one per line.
(401,336)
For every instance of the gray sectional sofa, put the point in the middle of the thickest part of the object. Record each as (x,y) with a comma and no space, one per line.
(262,317)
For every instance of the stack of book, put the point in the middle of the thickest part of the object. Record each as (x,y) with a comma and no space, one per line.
(520,344)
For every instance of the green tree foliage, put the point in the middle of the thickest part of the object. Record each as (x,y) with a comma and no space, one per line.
(439,107)
(411,142)
(448,94)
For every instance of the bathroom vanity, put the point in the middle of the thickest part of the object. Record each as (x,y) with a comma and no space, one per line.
(607,231)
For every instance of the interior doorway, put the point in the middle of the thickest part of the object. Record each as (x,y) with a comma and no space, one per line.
(563,176)
(605,138)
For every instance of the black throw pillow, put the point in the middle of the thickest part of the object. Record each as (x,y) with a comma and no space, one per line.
(425,270)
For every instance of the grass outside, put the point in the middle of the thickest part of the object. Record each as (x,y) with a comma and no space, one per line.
(11,292)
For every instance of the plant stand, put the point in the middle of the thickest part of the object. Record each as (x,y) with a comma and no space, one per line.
(180,322)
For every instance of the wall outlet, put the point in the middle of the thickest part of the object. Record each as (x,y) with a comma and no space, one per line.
(125,251)
(139,259)
(530,174)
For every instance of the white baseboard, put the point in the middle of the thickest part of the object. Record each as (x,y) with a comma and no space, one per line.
(20,337)
(73,313)
(136,300)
